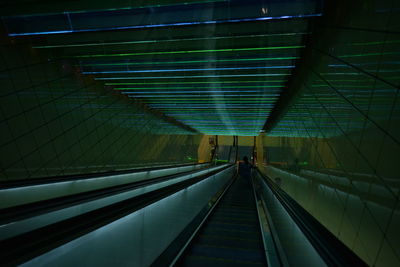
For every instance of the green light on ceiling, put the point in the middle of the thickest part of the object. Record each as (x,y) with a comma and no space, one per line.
(211,99)
(221,76)
(187,61)
(167,97)
(173,40)
(342,85)
(237,126)
(241,115)
(376,43)
(193,87)
(194,51)
(364,79)
(207,82)
(370,54)
(230,109)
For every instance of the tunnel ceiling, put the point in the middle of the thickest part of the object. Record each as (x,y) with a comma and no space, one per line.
(351,81)
(217,66)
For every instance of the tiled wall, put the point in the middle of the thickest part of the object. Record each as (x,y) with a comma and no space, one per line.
(54,122)
(337,148)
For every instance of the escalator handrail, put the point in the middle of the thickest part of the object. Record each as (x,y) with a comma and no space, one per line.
(82,176)
(23,211)
(29,245)
(177,249)
(276,248)
(329,247)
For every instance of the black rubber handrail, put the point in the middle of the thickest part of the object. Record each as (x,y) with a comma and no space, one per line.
(73,177)
(26,246)
(167,257)
(24,211)
(329,247)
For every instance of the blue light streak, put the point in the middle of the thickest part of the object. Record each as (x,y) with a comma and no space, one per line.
(195,106)
(167,25)
(190,114)
(214,121)
(183,70)
(167,92)
(195,96)
(203,95)
(192,76)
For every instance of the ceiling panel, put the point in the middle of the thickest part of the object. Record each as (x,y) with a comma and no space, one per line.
(218,67)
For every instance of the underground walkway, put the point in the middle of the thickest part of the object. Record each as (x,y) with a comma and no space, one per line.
(189,215)
(122,123)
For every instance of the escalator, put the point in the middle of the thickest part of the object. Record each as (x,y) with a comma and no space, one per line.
(205,218)
(262,227)
(231,236)
(33,231)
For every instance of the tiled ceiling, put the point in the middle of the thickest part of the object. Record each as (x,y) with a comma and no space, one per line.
(216,66)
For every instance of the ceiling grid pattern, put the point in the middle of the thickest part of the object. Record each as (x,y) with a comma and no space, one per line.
(216,66)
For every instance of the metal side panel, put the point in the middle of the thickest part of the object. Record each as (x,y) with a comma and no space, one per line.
(137,239)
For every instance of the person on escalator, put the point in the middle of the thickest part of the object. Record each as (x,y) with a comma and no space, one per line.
(244,169)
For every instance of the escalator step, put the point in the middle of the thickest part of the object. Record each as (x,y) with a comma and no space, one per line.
(237,254)
(243,221)
(231,233)
(226,241)
(231,236)
(232,226)
(201,261)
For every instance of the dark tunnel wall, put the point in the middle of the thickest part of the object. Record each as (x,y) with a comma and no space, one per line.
(55,122)
(336,150)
